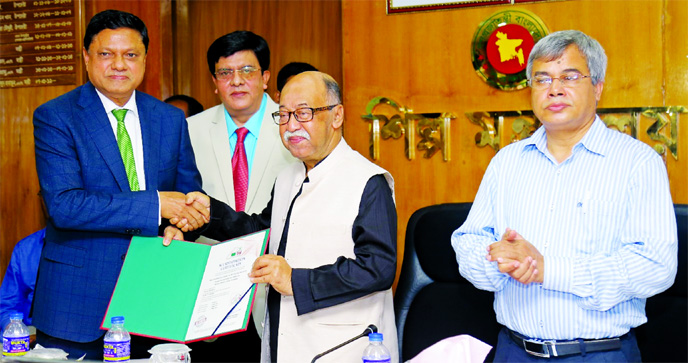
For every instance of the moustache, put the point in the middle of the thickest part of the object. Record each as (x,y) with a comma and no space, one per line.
(297,133)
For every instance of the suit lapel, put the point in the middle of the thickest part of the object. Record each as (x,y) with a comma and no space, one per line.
(92,115)
(266,146)
(220,140)
(150,137)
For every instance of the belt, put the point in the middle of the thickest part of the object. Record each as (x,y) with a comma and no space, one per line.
(558,348)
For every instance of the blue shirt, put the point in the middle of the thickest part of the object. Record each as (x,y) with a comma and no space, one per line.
(253,125)
(603,220)
(16,292)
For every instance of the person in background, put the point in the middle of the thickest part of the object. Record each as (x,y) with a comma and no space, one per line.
(572,262)
(332,221)
(19,283)
(239,153)
(289,71)
(112,163)
(186,103)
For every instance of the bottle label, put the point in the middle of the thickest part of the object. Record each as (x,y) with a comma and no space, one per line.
(116,351)
(377,360)
(15,346)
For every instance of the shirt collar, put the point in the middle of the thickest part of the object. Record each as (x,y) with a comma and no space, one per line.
(592,140)
(109,105)
(253,124)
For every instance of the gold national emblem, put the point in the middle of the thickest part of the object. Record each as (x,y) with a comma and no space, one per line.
(501,46)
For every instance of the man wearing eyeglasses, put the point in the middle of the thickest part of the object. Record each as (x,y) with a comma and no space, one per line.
(332,253)
(572,262)
(112,162)
(237,146)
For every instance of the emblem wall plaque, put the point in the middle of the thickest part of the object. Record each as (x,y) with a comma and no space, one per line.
(501,46)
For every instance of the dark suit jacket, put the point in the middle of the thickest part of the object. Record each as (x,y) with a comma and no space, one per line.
(93,213)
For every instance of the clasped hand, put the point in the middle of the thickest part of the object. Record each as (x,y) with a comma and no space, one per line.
(187,212)
(517,257)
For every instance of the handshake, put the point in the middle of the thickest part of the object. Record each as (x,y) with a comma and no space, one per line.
(185,212)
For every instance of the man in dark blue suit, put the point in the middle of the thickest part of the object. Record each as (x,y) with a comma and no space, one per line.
(112,163)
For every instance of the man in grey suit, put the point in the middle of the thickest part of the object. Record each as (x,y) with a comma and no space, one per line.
(239,64)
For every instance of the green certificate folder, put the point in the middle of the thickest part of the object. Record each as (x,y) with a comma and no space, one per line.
(187,291)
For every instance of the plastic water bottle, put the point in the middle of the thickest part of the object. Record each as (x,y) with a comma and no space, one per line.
(117,346)
(376,352)
(15,337)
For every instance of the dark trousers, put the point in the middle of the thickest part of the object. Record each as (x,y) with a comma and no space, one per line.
(94,350)
(508,351)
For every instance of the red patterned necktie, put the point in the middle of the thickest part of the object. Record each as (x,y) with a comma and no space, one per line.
(240,170)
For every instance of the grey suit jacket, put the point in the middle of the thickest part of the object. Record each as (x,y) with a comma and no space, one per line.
(210,141)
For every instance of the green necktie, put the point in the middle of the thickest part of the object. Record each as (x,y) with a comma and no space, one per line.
(125,149)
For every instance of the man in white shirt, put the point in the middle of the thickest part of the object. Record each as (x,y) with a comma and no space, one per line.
(571,262)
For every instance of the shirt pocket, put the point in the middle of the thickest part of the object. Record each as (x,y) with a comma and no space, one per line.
(599,224)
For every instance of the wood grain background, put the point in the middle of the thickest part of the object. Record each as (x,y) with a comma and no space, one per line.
(296,31)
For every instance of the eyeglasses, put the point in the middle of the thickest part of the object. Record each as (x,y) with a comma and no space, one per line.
(301,114)
(245,72)
(567,80)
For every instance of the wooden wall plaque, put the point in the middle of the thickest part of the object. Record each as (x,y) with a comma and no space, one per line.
(39,43)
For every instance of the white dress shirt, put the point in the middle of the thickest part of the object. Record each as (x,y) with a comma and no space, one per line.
(133,125)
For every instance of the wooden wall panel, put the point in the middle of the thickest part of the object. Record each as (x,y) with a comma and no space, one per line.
(423,61)
(20,208)
(675,75)
(305,31)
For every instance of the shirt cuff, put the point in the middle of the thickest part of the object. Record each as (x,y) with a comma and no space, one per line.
(303,295)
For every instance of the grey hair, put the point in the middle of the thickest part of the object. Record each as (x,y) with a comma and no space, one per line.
(334,93)
(553,45)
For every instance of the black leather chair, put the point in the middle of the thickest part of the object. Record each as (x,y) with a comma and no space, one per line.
(664,338)
(432,300)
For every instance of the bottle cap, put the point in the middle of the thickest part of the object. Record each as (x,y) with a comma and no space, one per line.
(18,316)
(375,337)
(117,320)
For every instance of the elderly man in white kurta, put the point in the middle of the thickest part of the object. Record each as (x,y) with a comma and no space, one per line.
(332,251)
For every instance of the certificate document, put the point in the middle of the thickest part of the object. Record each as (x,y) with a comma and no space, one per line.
(187,291)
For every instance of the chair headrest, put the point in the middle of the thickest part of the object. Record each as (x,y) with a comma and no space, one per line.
(680,286)
(431,229)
